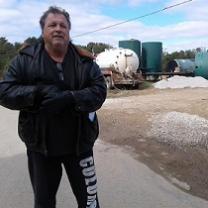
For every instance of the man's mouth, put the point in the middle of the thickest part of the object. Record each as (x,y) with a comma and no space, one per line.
(58,36)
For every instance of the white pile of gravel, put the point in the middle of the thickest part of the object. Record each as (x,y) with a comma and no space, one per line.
(181,82)
(180,129)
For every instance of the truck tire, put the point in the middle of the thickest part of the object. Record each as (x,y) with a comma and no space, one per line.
(108,80)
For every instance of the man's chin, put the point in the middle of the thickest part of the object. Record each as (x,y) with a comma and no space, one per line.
(59,45)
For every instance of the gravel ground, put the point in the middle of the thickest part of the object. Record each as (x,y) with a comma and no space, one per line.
(165,129)
(180,129)
(176,82)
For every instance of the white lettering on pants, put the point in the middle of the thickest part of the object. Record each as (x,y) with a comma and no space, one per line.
(85,162)
(89,171)
(90,180)
(93,204)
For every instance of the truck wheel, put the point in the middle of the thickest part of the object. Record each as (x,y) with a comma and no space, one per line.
(109,83)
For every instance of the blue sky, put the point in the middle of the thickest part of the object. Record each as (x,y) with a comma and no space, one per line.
(179,28)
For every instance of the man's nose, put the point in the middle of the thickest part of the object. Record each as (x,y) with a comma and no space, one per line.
(58,27)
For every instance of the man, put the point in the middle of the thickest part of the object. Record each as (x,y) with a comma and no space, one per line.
(57,91)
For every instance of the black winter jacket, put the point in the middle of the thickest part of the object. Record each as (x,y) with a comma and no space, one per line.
(18,91)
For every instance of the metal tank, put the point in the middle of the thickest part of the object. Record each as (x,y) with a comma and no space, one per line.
(134,45)
(122,60)
(181,65)
(201,61)
(151,57)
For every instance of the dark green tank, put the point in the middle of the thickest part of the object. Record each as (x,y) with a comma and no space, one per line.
(134,45)
(152,56)
(201,62)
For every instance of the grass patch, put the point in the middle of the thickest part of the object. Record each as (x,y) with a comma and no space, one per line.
(145,85)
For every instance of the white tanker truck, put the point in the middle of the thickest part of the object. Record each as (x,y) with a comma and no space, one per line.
(119,67)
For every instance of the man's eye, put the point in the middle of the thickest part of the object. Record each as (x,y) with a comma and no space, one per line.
(51,25)
(63,26)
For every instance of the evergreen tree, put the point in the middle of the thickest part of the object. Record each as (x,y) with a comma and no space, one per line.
(7,52)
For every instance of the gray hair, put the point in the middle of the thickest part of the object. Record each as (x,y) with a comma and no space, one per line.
(54,10)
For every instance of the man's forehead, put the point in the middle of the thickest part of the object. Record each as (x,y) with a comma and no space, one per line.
(55,16)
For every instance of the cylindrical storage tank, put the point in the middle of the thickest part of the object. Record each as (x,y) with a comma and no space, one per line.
(152,56)
(123,60)
(134,45)
(201,62)
(181,65)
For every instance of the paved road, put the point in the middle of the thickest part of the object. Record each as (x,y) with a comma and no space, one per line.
(123,181)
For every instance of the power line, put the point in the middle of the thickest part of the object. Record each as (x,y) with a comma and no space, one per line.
(132,19)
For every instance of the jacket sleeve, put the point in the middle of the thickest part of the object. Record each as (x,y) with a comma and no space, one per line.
(15,93)
(91,98)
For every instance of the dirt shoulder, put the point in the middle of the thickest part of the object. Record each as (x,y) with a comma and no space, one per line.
(127,118)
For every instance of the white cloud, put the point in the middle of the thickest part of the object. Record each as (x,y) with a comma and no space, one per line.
(19,21)
(138,2)
(6,3)
(185,45)
(186,32)
(193,10)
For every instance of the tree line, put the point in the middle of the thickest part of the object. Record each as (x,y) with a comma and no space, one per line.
(9,50)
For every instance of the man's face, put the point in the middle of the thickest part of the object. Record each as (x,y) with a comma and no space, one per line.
(56,31)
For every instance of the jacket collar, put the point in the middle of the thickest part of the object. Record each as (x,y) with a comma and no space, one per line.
(33,50)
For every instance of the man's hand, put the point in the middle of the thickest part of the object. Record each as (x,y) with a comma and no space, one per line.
(41,91)
(56,102)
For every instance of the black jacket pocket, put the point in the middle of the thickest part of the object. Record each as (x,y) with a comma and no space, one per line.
(90,129)
(26,128)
